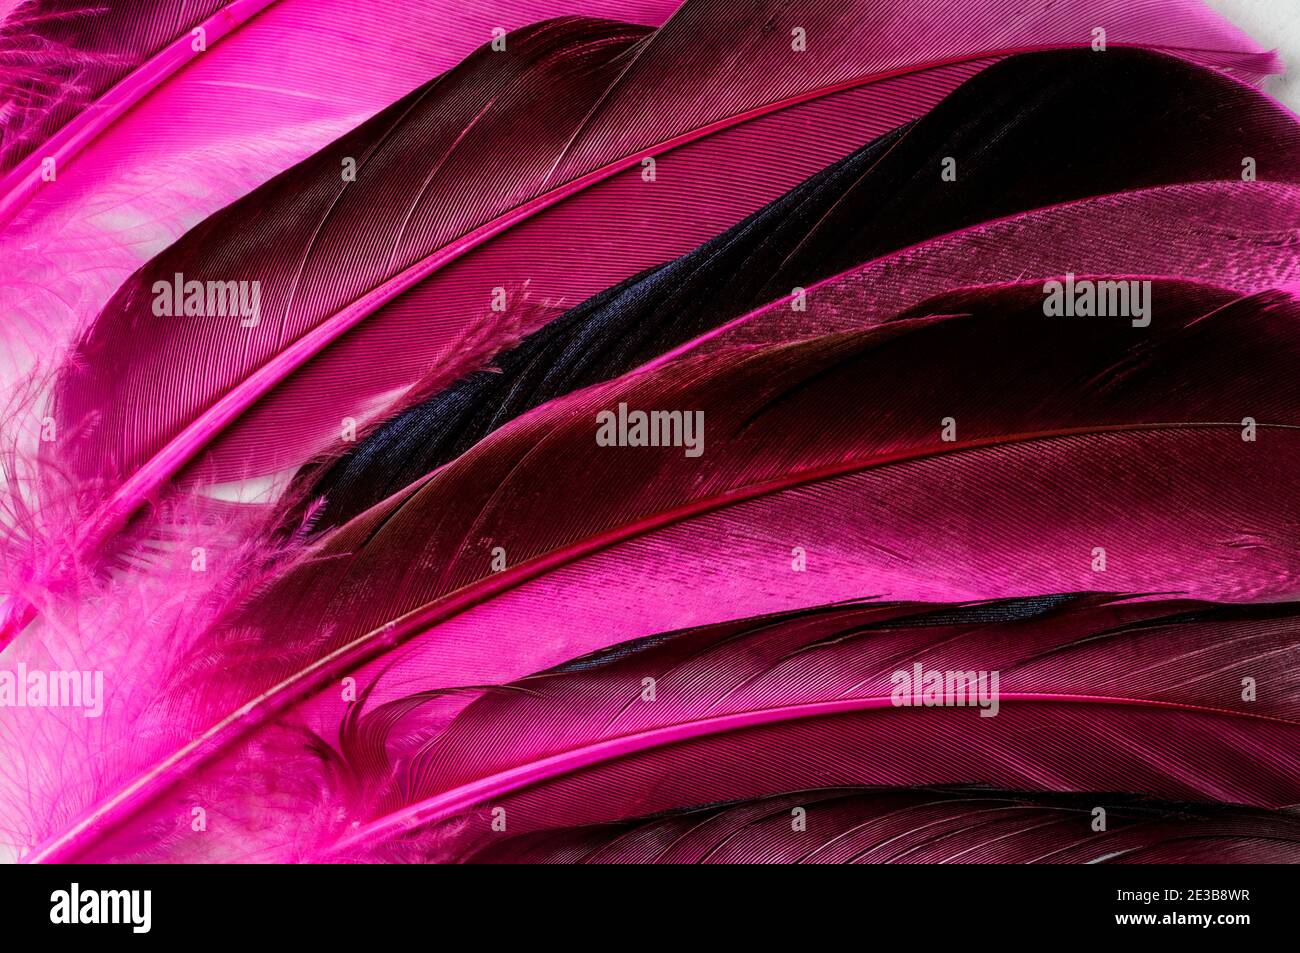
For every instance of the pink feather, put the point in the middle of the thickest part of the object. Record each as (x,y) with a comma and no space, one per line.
(573,114)
(1152,693)
(521,171)
(881,503)
(1233,235)
(151,131)
(858,826)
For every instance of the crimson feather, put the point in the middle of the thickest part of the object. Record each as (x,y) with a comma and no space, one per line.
(365,284)
(881,504)
(643,600)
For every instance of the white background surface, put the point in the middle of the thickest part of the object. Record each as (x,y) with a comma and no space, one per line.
(1274,24)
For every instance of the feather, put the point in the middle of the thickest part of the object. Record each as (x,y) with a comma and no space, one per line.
(60,58)
(1234,235)
(844,826)
(762,707)
(151,125)
(1070,431)
(998,452)
(884,197)
(151,131)
(1152,691)
(364,287)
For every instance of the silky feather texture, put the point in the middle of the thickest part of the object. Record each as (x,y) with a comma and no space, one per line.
(812,699)
(924,826)
(272,792)
(140,628)
(75,71)
(345,295)
(159,135)
(150,135)
(757,707)
(1238,235)
(1187,125)
(153,145)
(882,505)
(1009,376)
(60,57)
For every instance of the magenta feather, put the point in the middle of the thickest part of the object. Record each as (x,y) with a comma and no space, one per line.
(365,286)
(906,463)
(855,826)
(151,129)
(883,506)
(769,706)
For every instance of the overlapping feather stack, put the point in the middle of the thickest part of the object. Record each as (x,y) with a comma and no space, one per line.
(587,430)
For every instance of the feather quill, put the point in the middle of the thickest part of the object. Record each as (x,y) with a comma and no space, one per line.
(364,287)
(999,453)
(124,124)
(1151,691)
(882,505)
(1188,128)
(923,826)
